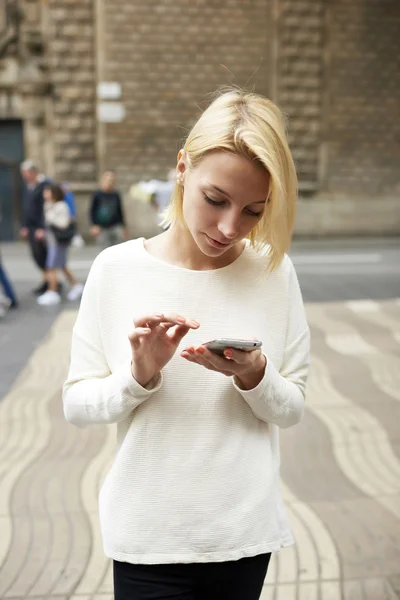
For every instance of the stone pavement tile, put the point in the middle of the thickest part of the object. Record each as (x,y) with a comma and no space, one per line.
(48,504)
(49,541)
(360,442)
(329,590)
(307,457)
(395,583)
(366,537)
(368,589)
(376,330)
(369,379)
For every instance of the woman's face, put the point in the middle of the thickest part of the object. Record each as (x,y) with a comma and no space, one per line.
(47,195)
(224,199)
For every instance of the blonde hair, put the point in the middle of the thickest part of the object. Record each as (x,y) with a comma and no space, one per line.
(251,126)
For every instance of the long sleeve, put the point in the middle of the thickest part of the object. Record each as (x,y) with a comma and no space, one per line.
(25,197)
(279,397)
(58,215)
(93,208)
(120,209)
(39,210)
(92,394)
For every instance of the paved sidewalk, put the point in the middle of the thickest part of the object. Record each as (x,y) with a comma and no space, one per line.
(340,467)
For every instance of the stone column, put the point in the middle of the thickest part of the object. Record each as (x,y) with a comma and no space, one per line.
(299,85)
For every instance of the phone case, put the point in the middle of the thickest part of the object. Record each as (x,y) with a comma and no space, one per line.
(218,346)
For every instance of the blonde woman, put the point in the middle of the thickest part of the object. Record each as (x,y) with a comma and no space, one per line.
(191,507)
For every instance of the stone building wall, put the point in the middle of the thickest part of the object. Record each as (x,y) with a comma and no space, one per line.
(71,54)
(362,117)
(332,66)
(168,55)
(300,32)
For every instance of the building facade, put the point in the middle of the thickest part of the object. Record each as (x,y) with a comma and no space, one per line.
(94,84)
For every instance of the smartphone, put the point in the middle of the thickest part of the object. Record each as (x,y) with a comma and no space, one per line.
(219,346)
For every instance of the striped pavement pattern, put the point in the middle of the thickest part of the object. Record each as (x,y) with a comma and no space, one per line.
(340,472)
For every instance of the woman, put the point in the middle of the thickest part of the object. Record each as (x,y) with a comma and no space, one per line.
(57,218)
(191,507)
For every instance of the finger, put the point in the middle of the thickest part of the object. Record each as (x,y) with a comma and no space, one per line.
(137,334)
(210,360)
(180,320)
(219,362)
(162,328)
(178,333)
(204,363)
(240,357)
(152,319)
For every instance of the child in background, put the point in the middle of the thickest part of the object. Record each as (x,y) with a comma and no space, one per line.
(57,218)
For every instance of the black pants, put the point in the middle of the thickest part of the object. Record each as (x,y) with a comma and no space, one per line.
(38,250)
(234,580)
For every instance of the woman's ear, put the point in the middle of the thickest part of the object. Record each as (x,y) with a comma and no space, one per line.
(181,167)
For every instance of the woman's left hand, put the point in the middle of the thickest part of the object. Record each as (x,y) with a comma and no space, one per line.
(248,368)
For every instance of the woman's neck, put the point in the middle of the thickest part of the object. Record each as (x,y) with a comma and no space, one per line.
(177,246)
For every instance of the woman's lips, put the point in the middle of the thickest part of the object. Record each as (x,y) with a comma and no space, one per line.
(216,243)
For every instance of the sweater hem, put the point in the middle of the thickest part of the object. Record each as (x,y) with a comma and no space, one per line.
(198,557)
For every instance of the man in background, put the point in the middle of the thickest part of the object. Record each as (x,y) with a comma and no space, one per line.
(33,228)
(106,213)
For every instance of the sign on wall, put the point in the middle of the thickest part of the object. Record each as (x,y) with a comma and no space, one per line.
(110,112)
(108,90)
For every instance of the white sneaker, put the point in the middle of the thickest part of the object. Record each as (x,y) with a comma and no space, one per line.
(5,304)
(75,292)
(49,298)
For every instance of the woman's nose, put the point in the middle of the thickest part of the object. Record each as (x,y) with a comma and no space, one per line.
(229,226)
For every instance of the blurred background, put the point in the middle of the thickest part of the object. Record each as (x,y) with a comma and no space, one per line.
(91,85)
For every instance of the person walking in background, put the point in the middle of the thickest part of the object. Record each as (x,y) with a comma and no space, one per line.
(33,227)
(60,230)
(191,506)
(9,299)
(106,213)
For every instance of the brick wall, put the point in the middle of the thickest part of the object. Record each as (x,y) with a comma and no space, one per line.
(362,118)
(167,55)
(300,38)
(332,66)
(71,58)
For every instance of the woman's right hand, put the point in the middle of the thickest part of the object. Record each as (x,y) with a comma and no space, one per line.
(154,341)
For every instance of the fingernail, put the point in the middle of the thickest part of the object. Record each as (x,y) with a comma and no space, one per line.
(181,320)
(200,350)
(196,322)
(191,350)
(228,353)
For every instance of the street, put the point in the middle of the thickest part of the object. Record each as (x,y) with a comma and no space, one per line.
(340,466)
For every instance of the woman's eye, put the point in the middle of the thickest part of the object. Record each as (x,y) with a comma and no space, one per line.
(213,202)
(254,214)
(222,203)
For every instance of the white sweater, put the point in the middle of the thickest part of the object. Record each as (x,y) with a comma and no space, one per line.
(196,472)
